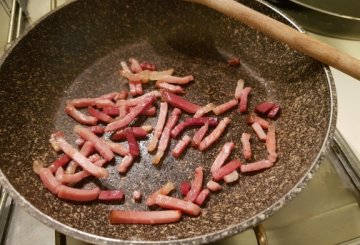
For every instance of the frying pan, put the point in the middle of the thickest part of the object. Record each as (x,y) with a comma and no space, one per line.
(75,52)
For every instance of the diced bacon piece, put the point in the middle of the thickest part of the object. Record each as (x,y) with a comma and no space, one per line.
(59,174)
(232,177)
(239,88)
(103,149)
(79,141)
(170,87)
(137,196)
(49,181)
(111,110)
(77,177)
(132,88)
(178,204)
(82,102)
(215,134)
(222,156)
(61,161)
(139,88)
(164,190)
(226,169)
(201,198)
(274,112)
(86,150)
(203,110)
(117,148)
(99,115)
(80,195)
(125,164)
(159,127)
(233,61)
(111,195)
(190,122)
(134,149)
(271,144)
(101,103)
(245,141)
(145,76)
(196,185)
(37,165)
(213,186)
(138,132)
(135,65)
(181,146)
(97,129)
(256,166)
(177,80)
(165,137)
(78,157)
(243,105)
(123,122)
(259,131)
(122,95)
(185,187)
(79,116)
(220,109)
(147,66)
(179,102)
(122,109)
(144,217)
(138,100)
(264,107)
(108,96)
(150,112)
(53,144)
(253,118)
(199,135)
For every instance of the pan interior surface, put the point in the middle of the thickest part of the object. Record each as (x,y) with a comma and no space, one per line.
(76,52)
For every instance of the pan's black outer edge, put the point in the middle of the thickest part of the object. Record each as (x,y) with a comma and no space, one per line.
(210,237)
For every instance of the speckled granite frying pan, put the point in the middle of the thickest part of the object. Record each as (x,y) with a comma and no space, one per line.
(75,52)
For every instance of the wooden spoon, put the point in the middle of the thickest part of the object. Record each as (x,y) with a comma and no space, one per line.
(295,39)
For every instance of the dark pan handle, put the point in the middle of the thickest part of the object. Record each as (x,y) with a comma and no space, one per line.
(260,235)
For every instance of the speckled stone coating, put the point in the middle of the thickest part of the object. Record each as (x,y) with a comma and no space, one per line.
(76,52)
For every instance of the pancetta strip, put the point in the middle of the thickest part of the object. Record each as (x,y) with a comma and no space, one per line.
(86,150)
(80,195)
(190,122)
(135,65)
(259,131)
(99,115)
(177,80)
(213,186)
(77,177)
(159,127)
(253,118)
(176,89)
(117,148)
(179,102)
(111,195)
(139,132)
(138,100)
(101,103)
(125,164)
(220,109)
(215,134)
(201,198)
(222,156)
(164,190)
(226,169)
(144,217)
(49,180)
(199,135)
(203,110)
(61,161)
(181,146)
(256,166)
(243,105)
(245,141)
(196,185)
(134,149)
(271,144)
(79,116)
(177,204)
(239,88)
(231,177)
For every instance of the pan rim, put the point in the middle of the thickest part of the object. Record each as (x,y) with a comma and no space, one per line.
(209,237)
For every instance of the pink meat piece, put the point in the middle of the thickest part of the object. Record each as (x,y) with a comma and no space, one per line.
(135,65)
(111,110)
(177,80)
(122,95)
(79,141)
(111,195)
(79,116)
(245,141)
(264,107)
(61,161)
(78,157)
(271,144)
(80,195)
(133,144)
(125,121)
(150,112)
(185,187)
(101,103)
(231,177)
(99,115)
(165,137)
(77,177)
(220,109)
(144,217)
(226,169)
(138,132)
(234,61)
(122,109)
(259,131)
(86,150)
(274,112)
(97,129)
(138,100)
(147,66)
(213,186)
(59,174)
(53,144)
(170,87)
(137,196)
(125,164)
(177,204)
(243,105)
(82,102)
(117,148)
(179,102)
(222,156)
(181,146)
(159,127)
(49,181)
(215,134)
(253,118)
(239,88)
(196,185)
(256,166)
(99,144)
(139,88)
(199,135)
(164,190)
(204,110)
(190,122)
(201,198)
(132,88)
(94,157)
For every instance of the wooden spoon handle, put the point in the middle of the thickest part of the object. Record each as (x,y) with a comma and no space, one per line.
(295,39)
